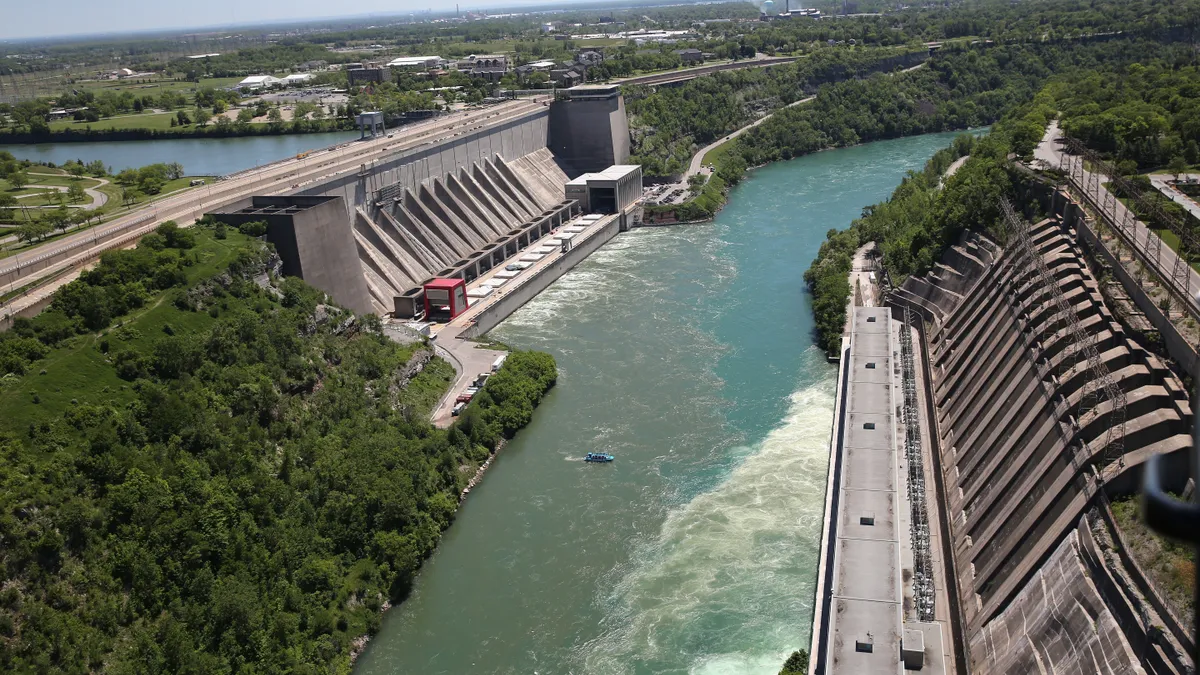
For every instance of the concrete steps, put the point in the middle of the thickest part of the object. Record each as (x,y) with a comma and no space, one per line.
(1019,451)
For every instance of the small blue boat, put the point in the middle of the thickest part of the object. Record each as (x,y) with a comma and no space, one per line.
(598,457)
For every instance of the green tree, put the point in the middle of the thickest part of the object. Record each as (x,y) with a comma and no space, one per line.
(245,115)
(796,664)
(202,116)
(18,179)
(60,218)
(33,230)
(7,204)
(1177,166)
(274,115)
(76,193)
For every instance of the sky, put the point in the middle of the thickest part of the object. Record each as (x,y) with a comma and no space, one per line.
(32,18)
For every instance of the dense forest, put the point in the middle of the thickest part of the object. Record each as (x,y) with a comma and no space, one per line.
(668,124)
(1147,112)
(1104,92)
(208,469)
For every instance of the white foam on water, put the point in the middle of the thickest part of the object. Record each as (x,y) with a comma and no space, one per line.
(727,584)
(602,281)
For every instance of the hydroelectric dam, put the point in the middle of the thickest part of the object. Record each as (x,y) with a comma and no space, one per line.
(989,416)
(371,221)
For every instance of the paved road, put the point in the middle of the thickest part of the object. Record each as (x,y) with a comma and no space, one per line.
(953,168)
(696,166)
(1165,184)
(1048,153)
(80,249)
(98,198)
(699,71)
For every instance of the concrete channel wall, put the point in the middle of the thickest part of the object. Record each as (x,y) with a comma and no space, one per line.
(513,300)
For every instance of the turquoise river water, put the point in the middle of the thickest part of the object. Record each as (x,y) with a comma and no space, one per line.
(687,352)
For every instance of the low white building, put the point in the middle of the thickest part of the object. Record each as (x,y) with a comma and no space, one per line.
(296,79)
(258,82)
(417,62)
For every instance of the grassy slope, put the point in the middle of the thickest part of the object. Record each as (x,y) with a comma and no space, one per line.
(78,370)
(142,87)
(1171,566)
(145,121)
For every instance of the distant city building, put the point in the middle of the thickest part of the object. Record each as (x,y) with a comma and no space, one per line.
(365,73)
(690,55)
(312,65)
(491,67)
(567,77)
(259,82)
(589,58)
(541,65)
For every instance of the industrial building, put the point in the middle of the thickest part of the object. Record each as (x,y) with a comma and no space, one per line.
(589,126)
(259,82)
(608,190)
(417,62)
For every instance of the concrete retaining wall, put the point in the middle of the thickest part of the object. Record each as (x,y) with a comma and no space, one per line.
(492,316)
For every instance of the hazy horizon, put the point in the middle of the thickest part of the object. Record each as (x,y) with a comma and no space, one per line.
(73,18)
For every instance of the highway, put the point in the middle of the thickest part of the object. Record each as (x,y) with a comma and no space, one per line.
(63,259)
(1160,257)
(699,71)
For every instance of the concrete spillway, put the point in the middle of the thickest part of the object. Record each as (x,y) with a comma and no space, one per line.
(1029,454)
(416,232)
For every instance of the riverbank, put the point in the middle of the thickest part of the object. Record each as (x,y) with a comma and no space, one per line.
(89,135)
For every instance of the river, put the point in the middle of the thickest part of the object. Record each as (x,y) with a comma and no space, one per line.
(687,352)
(199,156)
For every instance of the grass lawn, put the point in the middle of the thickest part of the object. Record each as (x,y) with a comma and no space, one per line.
(713,156)
(150,86)
(146,121)
(38,178)
(78,370)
